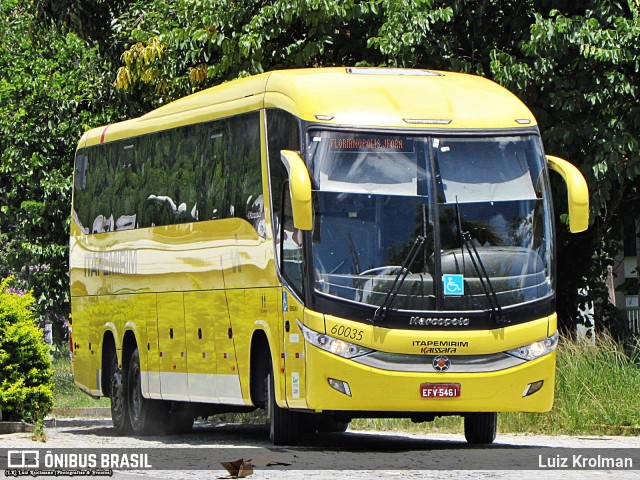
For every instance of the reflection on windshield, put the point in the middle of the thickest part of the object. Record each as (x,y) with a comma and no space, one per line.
(492,189)
(360,242)
(481,170)
(376,195)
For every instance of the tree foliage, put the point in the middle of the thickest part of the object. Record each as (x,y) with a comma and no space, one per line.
(51,90)
(206,42)
(579,69)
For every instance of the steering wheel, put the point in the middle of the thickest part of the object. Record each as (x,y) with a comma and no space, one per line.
(385,269)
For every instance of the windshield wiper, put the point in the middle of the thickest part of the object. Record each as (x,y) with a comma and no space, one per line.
(381,311)
(492,299)
(496,310)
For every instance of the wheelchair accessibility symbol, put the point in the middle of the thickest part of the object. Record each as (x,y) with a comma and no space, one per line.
(453,284)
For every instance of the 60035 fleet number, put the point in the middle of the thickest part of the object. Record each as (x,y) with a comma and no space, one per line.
(347,332)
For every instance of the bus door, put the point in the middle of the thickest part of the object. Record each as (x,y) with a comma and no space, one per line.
(293,347)
(291,259)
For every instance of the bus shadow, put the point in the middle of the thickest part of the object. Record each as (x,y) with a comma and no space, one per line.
(229,435)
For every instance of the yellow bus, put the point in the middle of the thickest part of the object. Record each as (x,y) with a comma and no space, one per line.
(325,244)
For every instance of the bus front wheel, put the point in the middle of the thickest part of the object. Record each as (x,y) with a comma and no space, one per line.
(146,415)
(480,428)
(284,425)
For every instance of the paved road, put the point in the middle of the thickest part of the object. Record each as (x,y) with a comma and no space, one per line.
(355,455)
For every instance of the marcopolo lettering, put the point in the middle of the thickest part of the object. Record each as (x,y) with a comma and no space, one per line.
(439,321)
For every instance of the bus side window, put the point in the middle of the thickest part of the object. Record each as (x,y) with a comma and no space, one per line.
(213,171)
(290,246)
(283,133)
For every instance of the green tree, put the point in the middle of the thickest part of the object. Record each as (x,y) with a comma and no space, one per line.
(52,88)
(184,46)
(579,70)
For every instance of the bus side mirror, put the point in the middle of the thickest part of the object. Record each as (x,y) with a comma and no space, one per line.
(577,193)
(299,189)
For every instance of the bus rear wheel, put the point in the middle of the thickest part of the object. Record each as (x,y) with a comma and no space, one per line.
(284,425)
(118,396)
(480,428)
(146,416)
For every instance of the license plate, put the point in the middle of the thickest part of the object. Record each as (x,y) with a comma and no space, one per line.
(440,390)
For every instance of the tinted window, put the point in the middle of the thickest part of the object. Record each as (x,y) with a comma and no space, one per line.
(283,133)
(193,173)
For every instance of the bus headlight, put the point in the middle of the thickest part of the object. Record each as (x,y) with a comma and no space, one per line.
(331,344)
(536,349)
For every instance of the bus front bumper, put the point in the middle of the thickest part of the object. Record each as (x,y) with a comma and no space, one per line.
(377,390)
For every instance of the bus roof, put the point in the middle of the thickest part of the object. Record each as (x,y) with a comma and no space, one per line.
(363,97)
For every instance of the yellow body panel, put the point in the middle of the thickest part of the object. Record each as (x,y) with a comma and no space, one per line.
(387,100)
(375,389)
(226,100)
(217,254)
(294,375)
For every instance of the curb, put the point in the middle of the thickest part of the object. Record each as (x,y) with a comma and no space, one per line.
(15,427)
(80,412)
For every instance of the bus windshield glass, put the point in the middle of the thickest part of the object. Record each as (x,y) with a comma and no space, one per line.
(479,203)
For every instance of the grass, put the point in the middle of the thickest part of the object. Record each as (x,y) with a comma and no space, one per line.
(596,394)
(596,390)
(39,433)
(65,393)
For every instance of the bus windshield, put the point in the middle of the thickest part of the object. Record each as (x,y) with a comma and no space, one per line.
(479,203)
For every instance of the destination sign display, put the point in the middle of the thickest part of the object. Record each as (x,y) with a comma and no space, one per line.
(370,143)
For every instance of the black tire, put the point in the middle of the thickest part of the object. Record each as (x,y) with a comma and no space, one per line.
(147,416)
(284,425)
(480,428)
(118,395)
(329,424)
